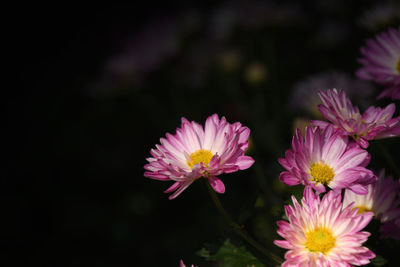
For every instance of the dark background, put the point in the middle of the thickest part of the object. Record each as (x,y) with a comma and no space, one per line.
(78,129)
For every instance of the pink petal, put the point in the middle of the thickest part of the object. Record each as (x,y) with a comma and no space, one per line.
(180,190)
(172,188)
(244,162)
(359,189)
(217,184)
(288,178)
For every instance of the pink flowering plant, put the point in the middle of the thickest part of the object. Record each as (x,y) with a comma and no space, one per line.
(324,232)
(243,133)
(195,152)
(374,123)
(339,210)
(325,158)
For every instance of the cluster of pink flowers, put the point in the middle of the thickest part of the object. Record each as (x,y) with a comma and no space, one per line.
(319,232)
(323,229)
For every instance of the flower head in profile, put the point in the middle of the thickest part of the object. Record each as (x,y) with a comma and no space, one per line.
(382,199)
(195,152)
(374,123)
(324,158)
(323,232)
(381,62)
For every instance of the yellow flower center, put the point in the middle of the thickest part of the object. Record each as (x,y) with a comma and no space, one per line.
(320,240)
(362,209)
(199,156)
(321,173)
(398,66)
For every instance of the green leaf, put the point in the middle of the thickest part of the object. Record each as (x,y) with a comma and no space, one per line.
(379,261)
(204,253)
(229,255)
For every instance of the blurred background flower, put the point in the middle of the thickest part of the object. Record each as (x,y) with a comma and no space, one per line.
(305,97)
(383,200)
(381,62)
(380,16)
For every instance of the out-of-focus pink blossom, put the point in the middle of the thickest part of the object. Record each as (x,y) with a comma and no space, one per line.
(305,93)
(383,199)
(383,14)
(381,62)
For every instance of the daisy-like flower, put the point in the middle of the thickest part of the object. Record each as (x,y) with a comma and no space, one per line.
(381,62)
(374,123)
(324,232)
(324,158)
(194,152)
(382,199)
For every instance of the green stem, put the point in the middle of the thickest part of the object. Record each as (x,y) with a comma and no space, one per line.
(239,229)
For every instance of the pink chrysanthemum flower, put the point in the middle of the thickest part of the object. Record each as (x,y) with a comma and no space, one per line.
(374,123)
(381,62)
(382,199)
(194,152)
(324,158)
(323,232)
